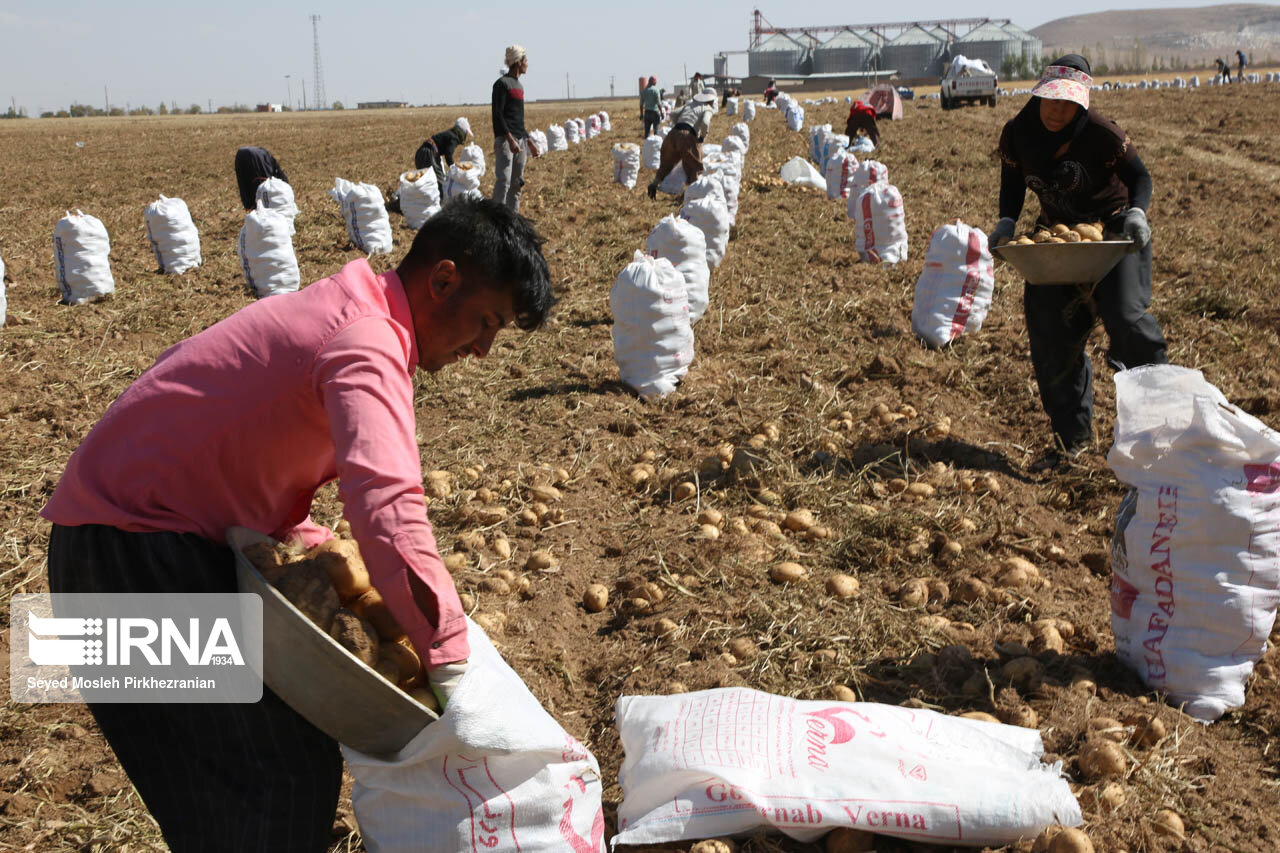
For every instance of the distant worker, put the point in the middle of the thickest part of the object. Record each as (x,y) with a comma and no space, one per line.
(729,93)
(437,151)
(683,144)
(253,166)
(862,117)
(771,92)
(510,140)
(651,106)
(1240,57)
(1224,70)
(696,86)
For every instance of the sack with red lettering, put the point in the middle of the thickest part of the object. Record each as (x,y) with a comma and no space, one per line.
(1195,557)
(880,226)
(494,773)
(865,174)
(953,293)
(731,761)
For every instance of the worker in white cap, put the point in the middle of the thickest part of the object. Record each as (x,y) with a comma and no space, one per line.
(510,140)
(683,144)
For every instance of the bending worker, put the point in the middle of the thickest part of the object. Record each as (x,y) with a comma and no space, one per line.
(240,425)
(1083,168)
(683,144)
(436,151)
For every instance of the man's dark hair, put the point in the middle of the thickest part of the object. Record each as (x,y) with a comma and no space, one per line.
(490,241)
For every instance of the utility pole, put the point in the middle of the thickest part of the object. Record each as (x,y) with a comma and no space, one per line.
(211,105)
(566,85)
(304,94)
(106,100)
(610,85)
(288,101)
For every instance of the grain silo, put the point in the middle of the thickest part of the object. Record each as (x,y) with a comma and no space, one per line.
(844,52)
(988,42)
(1032,47)
(778,54)
(914,53)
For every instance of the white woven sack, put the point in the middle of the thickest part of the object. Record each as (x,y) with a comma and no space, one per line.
(817,132)
(840,169)
(683,244)
(81,253)
(711,215)
(496,773)
(626,164)
(367,221)
(733,761)
(572,133)
(266,252)
(605,124)
(673,183)
(538,140)
(731,107)
(710,150)
(866,173)
(651,152)
(707,185)
(172,235)
(795,118)
(732,144)
(582,129)
(461,181)
(729,172)
(593,127)
(831,144)
(1195,557)
(556,140)
(652,335)
(880,228)
(663,130)
(953,293)
(743,132)
(749,111)
(278,195)
(798,170)
(472,154)
(341,189)
(419,197)
(863,145)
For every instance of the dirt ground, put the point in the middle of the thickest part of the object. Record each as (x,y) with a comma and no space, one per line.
(797,331)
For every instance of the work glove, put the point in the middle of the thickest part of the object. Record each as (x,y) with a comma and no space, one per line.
(1135,227)
(1002,233)
(444,679)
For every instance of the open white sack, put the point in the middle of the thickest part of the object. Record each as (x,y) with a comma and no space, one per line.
(1195,557)
(472,154)
(461,181)
(419,197)
(866,173)
(841,166)
(953,293)
(494,773)
(730,761)
(797,170)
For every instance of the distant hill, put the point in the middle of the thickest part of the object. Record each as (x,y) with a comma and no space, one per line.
(1183,36)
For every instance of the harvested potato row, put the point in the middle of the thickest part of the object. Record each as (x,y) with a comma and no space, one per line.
(1083,232)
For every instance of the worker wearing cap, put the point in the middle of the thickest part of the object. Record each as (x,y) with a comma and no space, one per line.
(651,106)
(437,151)
(1083,168)
(683,144)
(510,140)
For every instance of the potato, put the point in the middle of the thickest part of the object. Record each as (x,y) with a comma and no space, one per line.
(1088,232)
(1045,838)
(540,560)
(981,716)
(714,845)
(455,562)
(914,593)
(1059,230)
(710,516)
(489,515)
(1110,797)
(1071,237)
(596,598)
(650,592)
(744,649)
(1102,759)
(1168,823)
(425,697)
(355,635)
(502,548)
(665,627)
(545,494)
(496,586)
(920,491)
(1057,240)
(766,527)
(527,517)
(841,693)
(788,572)
(1041,236)
(1021,715)
(401,654)
(1022,670)
(798,520)
(971,589)
(708,531)
(684,491)
(370,606)
(307,587)
(269,558)
(845,840)
(1147,729)
(1047,639)
(842,586)
(1105,728)
(1071,840)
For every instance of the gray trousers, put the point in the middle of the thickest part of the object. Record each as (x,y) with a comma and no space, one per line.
(508,172)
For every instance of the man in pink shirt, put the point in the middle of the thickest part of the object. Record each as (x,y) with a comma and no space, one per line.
(240,425)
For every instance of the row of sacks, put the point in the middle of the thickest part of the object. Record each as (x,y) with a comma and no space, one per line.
(736,106)
(559,137)
(663,293)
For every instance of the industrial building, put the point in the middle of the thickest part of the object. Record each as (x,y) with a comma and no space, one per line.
(801,58)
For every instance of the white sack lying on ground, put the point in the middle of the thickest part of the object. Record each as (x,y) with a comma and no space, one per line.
(494,773)
(684,245)
(266,252)
(652,335)
(1195,557)
(82,256)
(172,235)
(953,293)
(732,761)
(797,170)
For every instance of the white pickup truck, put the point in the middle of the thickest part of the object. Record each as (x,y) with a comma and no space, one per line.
(968,80)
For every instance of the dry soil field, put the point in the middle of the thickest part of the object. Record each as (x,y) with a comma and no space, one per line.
(797,332)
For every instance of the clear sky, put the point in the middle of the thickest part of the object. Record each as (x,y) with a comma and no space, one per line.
(52,54)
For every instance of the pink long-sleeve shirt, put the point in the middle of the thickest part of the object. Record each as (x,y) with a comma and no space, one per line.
(242,423)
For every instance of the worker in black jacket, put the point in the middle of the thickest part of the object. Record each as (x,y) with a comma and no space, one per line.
(437,151)
(253,166)
(1083,168)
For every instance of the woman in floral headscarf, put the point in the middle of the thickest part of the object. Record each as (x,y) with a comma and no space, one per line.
(1083,168)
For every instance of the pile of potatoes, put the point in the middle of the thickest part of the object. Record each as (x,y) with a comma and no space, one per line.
(1084,232)
(331,586)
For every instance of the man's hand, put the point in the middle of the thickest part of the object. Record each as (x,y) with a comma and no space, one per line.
(1136,228)
(512,145)
(1002,233)
(444,679)
(534,150)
